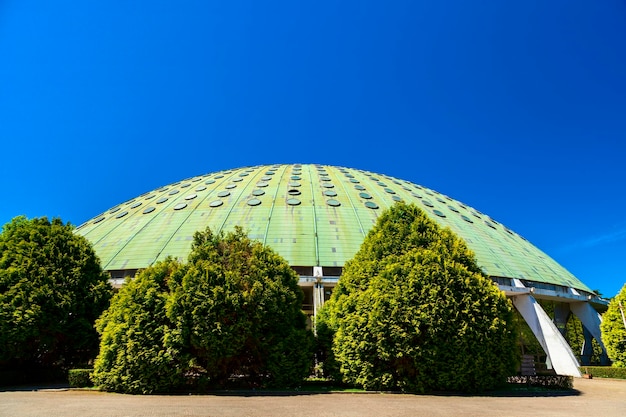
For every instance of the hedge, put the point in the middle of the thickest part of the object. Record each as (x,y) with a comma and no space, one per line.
(80,378)
(545,381)
(604,372)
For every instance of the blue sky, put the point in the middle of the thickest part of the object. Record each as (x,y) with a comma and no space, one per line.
(515,108)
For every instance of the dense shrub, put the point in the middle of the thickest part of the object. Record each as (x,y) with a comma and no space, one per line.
(229,317)
(413,311)
(134,354)
(545,381)
(604,372)
(80,378)
(52,289)
(614,329)
(237,311)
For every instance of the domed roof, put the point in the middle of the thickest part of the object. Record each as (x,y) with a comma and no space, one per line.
(313,215)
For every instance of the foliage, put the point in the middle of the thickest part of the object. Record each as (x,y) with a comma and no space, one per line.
(561,382)
(134,353)
(80,378)
(52,289)
(413,311)
(614,330)
(604,372)
(230,316)
(250,324)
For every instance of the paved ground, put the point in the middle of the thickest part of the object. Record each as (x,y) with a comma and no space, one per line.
(596,398)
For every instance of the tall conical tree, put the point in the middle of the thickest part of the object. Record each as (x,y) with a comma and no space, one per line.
(614,329)
(52,289)
(413,311)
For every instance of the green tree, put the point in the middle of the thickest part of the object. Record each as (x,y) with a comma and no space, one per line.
(238,313)
(413,311)
(614,330)
(135,356)
(52,289)
(229,316)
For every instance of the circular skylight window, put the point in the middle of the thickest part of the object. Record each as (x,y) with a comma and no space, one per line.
(254,202)
(258,192)
(371,204)
(216,203)
(333,203)
(223,194)
(180,206)
(148,210)
(293,201)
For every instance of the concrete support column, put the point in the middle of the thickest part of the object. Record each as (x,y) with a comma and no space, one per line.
(318,297)
(318,290)
(591,320)
(587,350)
(559,353)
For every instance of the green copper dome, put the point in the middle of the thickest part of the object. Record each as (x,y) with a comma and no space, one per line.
(313,215)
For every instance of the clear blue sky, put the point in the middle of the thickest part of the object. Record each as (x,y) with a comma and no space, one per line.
(515,108)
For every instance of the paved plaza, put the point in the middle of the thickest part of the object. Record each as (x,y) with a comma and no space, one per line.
(596,398)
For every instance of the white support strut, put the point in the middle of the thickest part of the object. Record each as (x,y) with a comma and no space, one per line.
(590,318)
(559,353)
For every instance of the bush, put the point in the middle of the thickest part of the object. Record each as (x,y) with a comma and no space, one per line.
(604,372)
(413,311)
(238,312)
(545,381)
(614,330)
(229,317)
(134,356)
(52,289)
(80,378)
